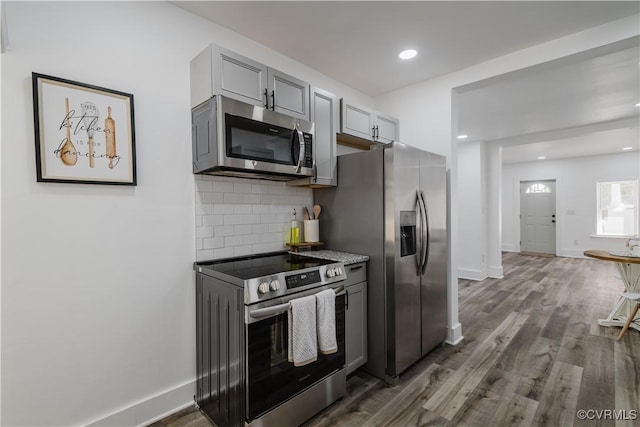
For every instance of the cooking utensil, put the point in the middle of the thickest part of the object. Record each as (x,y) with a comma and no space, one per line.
(89,120)
(110,138)
(316,211)
(306,213)
(68,153)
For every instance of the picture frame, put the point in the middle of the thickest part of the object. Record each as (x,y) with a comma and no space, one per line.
(84,134)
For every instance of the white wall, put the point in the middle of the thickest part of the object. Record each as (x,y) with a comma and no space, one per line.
(576,180)
(428,117)
(472,196)
(97,283)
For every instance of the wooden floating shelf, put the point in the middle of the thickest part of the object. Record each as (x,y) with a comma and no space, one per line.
(295,247)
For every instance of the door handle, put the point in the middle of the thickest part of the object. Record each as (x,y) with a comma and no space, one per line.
(428,232)
(297,131)
(422,233)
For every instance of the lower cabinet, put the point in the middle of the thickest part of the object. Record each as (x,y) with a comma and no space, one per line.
(356,317)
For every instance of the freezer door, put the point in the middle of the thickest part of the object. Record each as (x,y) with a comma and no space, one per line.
(433,293)
(402,248)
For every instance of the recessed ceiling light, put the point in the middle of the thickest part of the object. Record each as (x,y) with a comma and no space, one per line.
(463,136)
(541,157)
(627,148)
(407,54)
(638,104)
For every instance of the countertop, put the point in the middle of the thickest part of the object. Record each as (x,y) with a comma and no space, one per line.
(344,257)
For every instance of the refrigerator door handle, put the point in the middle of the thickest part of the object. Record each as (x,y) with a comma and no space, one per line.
(423,242)
(428,233)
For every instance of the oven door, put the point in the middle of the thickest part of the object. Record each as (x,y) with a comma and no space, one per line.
(271,378)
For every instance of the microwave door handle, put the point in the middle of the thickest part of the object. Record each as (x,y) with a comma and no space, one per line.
(428,230)
(296,130)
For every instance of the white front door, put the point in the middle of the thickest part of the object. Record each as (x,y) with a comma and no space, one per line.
(538,216)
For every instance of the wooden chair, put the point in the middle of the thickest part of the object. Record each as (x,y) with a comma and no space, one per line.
(633,297)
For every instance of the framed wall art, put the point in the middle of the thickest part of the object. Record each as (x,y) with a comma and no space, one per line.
(84,133)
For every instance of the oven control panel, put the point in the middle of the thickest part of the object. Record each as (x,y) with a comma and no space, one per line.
(277,285)
(303,279)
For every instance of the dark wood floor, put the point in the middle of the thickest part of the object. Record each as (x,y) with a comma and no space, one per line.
(532,355)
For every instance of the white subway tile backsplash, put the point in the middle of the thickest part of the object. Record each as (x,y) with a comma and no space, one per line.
(223,230)
(232,219)
(214,243)
(236,216)
(223,187)
(260,228)
(241,230)
(232,241)
(223,209)
(202,232)
(212,220)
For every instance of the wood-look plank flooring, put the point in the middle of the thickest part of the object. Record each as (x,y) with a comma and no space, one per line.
(533,354)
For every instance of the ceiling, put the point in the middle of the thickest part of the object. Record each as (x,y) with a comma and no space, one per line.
(357,43)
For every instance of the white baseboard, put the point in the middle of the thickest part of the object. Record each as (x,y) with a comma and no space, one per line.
(152,409)
(454,335)
(496,272)
(572,253)
(467,273)
(509,247)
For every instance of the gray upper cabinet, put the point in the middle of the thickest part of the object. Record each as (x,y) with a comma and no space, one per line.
(288,95)
(363,122)
(386,128)
(239,77)
(324,114)
(217,70)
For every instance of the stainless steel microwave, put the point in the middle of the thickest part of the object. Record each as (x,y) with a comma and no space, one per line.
(234,138)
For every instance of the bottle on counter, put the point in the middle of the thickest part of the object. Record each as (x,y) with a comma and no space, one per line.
(294,231)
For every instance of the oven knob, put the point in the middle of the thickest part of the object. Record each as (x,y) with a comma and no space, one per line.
(329,272)
(263,288)
(339,271)
(274,285)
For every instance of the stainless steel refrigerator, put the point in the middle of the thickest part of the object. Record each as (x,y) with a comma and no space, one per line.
(391,204)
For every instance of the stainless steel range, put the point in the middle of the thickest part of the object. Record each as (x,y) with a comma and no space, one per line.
(243,373)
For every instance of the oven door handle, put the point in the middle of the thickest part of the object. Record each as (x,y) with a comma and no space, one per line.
(261,313)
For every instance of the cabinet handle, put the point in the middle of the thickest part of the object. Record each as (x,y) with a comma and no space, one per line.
(266,98)
(377,132)
(346,300)
(356,268)
(373,133)
(315,172)
(273,100)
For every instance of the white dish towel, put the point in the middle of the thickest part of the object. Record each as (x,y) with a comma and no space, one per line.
(303,346)
(326,313)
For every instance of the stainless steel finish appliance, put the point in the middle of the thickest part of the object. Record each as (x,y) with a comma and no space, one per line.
(243,373)
(234,138)
(391,204)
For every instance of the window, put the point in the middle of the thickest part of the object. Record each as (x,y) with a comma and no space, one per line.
(538,188)
(617,208)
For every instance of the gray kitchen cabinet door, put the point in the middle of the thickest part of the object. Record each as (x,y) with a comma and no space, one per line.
(356,326)
(288,94)
(386,128)
(324,114)
(356,120)
(203,131)
(239,77)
